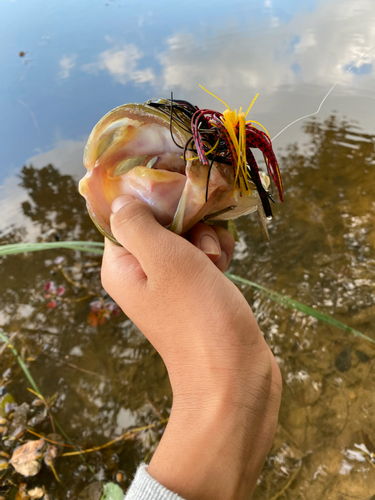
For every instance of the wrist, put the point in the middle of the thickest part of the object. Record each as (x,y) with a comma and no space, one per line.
(212,447)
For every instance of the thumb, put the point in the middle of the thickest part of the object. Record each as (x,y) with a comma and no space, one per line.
(134,226)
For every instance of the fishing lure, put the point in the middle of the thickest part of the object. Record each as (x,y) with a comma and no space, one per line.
(227,138)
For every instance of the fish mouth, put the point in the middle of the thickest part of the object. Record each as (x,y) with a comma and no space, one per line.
(135,150)
(131,151)
(186,164)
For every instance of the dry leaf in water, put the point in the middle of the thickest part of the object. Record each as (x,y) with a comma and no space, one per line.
(3,464)
(26,458)
(21,493)
(35,493)
(50,455)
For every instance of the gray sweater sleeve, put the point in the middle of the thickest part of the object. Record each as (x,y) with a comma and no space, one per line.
(145,487)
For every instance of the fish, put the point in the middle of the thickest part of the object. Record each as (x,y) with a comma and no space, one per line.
(188,164)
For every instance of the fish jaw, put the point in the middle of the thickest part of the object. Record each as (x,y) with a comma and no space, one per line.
(129,137)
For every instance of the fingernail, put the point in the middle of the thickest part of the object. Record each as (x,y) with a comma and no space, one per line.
(224,257)
(222,263)
(209,246)
(121,201)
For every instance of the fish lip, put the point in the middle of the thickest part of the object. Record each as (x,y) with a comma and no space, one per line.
(139,112)
(134,111)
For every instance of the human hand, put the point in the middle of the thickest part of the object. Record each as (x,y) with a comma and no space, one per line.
(225,381)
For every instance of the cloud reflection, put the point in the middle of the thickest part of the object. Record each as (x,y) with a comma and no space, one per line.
(67,63)
(122,65)
(321,44)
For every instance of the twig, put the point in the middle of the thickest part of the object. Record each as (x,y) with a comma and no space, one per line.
(147,456)
(370,461)
(38,331)
(80,299)
(92,264)
(69,280)
(41,397)
(347,413)
(50,464)
(291,439)
(50,440)
(91,469)
(154,408)
(127,435)
(291,479)
(89,372)
(347,494)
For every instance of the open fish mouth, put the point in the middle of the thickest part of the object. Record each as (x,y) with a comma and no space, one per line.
(187,164)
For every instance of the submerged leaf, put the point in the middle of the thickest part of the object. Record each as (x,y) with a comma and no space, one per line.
(21,493)
(92,491)
(3,464)
(26,459)
(35,493)
(6,402)
(112,491)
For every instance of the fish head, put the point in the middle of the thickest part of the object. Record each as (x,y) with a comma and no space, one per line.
(137,149)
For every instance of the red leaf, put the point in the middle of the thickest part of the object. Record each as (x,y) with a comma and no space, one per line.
(92,319)
(102,320)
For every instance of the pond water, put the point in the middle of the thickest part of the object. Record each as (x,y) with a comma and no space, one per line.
(63,66)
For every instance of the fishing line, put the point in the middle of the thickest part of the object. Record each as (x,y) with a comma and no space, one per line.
(325,97)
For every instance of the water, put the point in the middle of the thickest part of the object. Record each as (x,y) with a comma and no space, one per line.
(82,59)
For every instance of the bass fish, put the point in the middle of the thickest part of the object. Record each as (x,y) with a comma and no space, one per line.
(188,164)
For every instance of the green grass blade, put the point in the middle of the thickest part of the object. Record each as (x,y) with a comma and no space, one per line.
(21,363)
(298,306)
(37,390)
(83,246)
(97,248)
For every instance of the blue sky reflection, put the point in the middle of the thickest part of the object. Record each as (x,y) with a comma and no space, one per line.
(84,58)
